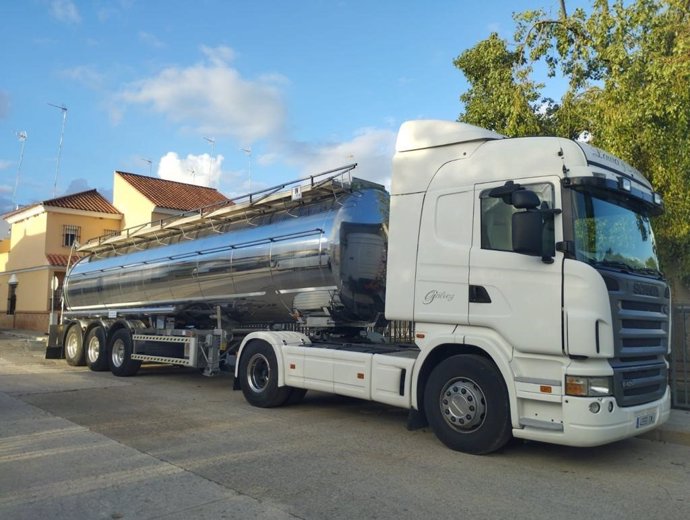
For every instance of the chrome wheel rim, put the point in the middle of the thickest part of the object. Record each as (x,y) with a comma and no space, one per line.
(93,349)
(118,354)
(463,405)
(72,345)
(258,372)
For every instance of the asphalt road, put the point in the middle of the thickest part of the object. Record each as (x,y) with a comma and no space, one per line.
(170,443)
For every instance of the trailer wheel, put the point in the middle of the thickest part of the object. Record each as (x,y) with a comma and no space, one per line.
(259,376)
(96,351)
(74,346)
(120,350)
(466,403)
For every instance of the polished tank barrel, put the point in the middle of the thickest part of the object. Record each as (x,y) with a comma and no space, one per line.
(325,258)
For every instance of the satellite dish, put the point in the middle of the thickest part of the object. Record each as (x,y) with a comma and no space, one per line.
(585,137)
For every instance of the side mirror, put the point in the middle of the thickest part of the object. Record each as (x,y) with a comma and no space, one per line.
(524,199)
(533,233)
(527,233)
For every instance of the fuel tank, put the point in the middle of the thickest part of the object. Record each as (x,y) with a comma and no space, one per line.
(323,258)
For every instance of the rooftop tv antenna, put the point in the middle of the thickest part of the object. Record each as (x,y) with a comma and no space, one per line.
(22,136)
(212,142)
(62,134)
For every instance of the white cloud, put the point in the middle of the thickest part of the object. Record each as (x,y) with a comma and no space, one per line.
(65,11)
(213,98)
(202,170)
(86,75)
(150,40)
(371,148)
(220,55)
(5,164)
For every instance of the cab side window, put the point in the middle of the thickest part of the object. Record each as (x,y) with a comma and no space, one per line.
(496,216)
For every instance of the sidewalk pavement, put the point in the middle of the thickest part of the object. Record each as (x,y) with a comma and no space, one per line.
(675,431)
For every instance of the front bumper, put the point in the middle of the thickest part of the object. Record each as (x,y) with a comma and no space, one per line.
(582,427)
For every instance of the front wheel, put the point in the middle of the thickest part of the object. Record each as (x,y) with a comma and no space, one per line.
(120,351)
(466,403)
(259,376)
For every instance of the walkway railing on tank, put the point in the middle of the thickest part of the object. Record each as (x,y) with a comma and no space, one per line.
(324,183)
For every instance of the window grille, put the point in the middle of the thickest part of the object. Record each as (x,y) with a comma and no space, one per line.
(70,235)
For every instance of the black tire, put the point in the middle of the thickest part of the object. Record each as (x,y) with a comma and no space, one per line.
(95,349)
(74,346)
(259,376)
(466,403)
(119,352)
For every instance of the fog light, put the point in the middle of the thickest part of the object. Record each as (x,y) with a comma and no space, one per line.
(594,407)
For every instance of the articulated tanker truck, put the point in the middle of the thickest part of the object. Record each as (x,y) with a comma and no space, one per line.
(527,266)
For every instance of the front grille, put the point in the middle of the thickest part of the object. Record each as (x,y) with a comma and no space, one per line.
(639,309)
(635,385)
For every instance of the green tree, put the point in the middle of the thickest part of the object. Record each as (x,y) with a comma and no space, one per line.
(627,65)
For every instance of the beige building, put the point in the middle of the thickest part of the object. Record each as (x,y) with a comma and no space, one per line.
(36,256)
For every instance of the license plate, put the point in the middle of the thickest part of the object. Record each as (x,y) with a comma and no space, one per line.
(645,420)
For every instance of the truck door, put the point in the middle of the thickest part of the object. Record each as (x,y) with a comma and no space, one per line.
(516,295)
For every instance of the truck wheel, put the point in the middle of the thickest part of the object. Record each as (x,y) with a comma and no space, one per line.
(120,350)
(74,346)
(96,351)
(259,376)
(466,403)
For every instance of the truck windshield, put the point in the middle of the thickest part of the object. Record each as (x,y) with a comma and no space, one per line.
(610,234)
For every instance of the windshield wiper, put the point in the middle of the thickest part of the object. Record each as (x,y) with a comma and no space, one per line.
(615,264)
(625,268)
(650,271)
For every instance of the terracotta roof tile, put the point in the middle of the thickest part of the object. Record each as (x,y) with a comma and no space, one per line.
(172,194)
(61,260)
(89,200)
(85,201)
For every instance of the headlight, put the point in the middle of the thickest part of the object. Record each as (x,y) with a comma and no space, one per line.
(582,386)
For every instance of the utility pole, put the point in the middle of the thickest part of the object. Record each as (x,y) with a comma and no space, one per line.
(22,139)
(62,134)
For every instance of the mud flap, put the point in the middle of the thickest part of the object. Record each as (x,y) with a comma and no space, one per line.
(55,350)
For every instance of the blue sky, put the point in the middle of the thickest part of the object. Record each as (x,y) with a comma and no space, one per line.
(305,85)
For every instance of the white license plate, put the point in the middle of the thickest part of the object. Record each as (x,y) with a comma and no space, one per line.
(645,420)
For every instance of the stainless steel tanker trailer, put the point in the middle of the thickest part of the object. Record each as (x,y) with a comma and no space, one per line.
(527,266)
(307,255)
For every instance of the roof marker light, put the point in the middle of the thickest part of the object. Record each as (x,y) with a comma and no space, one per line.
(657,199)
(624,184)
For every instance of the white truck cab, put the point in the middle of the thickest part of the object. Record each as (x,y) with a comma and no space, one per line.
(529,268)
